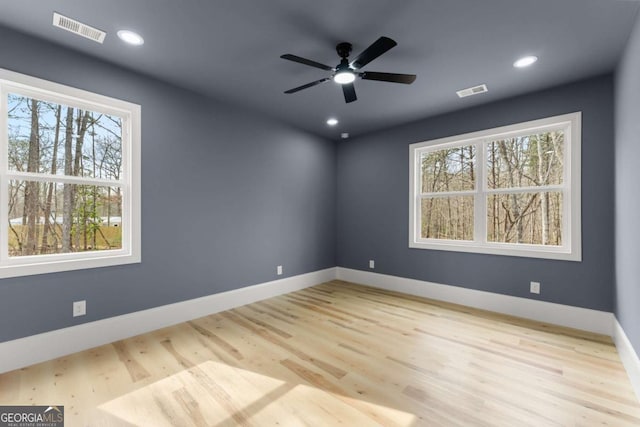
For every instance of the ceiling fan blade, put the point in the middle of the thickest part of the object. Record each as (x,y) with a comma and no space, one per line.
(349,93)
(305,61)
(378,47)
(308,85)
(389,77)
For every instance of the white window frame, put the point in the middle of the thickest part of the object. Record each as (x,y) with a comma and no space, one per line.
(12,82)
(571,249)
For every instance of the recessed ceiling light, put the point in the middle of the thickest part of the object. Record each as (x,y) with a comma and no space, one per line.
(344,135)
(525,61)
(332,121)
(130,37)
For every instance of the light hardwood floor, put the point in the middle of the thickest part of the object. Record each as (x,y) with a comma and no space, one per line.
(340,354)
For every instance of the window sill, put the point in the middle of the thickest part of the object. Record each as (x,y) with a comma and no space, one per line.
(41,266)
(504,249)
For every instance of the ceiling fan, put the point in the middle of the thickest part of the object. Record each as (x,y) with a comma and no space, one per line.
(346,72)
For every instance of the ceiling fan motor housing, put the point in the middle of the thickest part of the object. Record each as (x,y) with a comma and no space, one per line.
(343,67)
(343,49)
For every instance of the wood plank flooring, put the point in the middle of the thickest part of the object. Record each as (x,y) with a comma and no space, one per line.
(340,354)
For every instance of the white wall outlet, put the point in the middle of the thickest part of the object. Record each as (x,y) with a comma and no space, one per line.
(279,270)
(372,264)
(79,308)
(535,288)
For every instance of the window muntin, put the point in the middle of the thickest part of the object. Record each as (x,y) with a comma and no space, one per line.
(69,178)
(513,190)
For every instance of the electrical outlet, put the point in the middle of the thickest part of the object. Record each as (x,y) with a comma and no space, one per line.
(372,264)
(535,288)
(79,308)
(279,270)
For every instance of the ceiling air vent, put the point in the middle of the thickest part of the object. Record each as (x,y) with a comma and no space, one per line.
(78,28)
(472,91)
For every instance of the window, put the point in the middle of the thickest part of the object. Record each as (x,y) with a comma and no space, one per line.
(513,190)
(69,178)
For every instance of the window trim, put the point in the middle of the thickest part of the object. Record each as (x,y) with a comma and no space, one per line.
(12,82)
(571,188)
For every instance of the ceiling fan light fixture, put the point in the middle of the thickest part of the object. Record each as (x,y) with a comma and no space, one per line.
(344,77)
(345,73)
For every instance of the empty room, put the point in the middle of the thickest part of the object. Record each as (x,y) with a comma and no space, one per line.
(297,213)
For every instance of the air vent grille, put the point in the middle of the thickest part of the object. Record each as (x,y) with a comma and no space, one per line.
(472,91)
(78,28)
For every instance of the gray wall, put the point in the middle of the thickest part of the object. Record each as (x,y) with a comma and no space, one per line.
(373,202)
(226,196)
(627,177)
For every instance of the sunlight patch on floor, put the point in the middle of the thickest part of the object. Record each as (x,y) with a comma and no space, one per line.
(217,394)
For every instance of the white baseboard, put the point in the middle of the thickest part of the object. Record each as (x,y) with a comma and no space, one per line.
(600,322)
(27,351)
(628,356)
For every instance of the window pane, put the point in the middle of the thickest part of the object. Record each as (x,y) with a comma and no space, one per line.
(526,161)
(531,218)
(452,169)
(40,222)
(45,137)
(447,218)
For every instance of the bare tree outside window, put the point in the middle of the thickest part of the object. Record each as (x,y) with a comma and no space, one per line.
(512,190)
(69,178)
(448,177)
(524,165)
(48,216)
